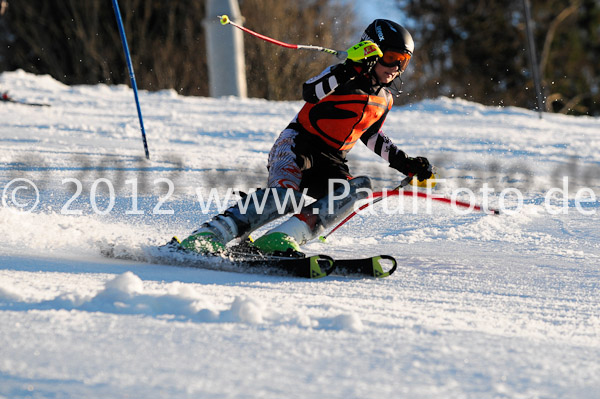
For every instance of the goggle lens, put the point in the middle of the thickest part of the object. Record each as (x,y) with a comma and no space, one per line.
(393,58)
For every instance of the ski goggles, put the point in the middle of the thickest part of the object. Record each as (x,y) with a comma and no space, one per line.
(392,58)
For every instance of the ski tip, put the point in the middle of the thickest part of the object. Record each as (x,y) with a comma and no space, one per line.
(224,19)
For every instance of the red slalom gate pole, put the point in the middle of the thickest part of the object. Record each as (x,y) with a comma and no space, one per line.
(445,200)
(377,198)
(380,195)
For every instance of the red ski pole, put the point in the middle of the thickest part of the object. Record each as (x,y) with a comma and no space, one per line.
(342,55)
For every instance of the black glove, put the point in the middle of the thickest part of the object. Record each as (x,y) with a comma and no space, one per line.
(349,70)
(368,64)
(418,167)
(365,65)
(353,69)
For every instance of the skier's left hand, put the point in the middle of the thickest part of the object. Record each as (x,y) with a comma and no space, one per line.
(418,167)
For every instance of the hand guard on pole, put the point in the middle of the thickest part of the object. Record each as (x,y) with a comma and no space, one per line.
(364,54)
(363,50)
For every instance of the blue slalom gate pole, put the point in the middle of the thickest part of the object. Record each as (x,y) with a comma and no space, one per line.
(131,73)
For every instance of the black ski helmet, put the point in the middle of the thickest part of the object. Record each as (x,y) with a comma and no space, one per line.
(389,35)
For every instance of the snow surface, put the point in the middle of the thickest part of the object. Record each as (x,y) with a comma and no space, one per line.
(481,306)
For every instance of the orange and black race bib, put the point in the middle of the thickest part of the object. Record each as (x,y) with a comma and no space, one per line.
(340,120)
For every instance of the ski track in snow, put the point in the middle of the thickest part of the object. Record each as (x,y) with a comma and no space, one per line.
(481,306)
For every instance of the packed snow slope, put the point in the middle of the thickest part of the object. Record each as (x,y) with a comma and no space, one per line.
(481,306)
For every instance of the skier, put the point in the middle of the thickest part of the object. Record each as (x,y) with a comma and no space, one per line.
(345,103)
